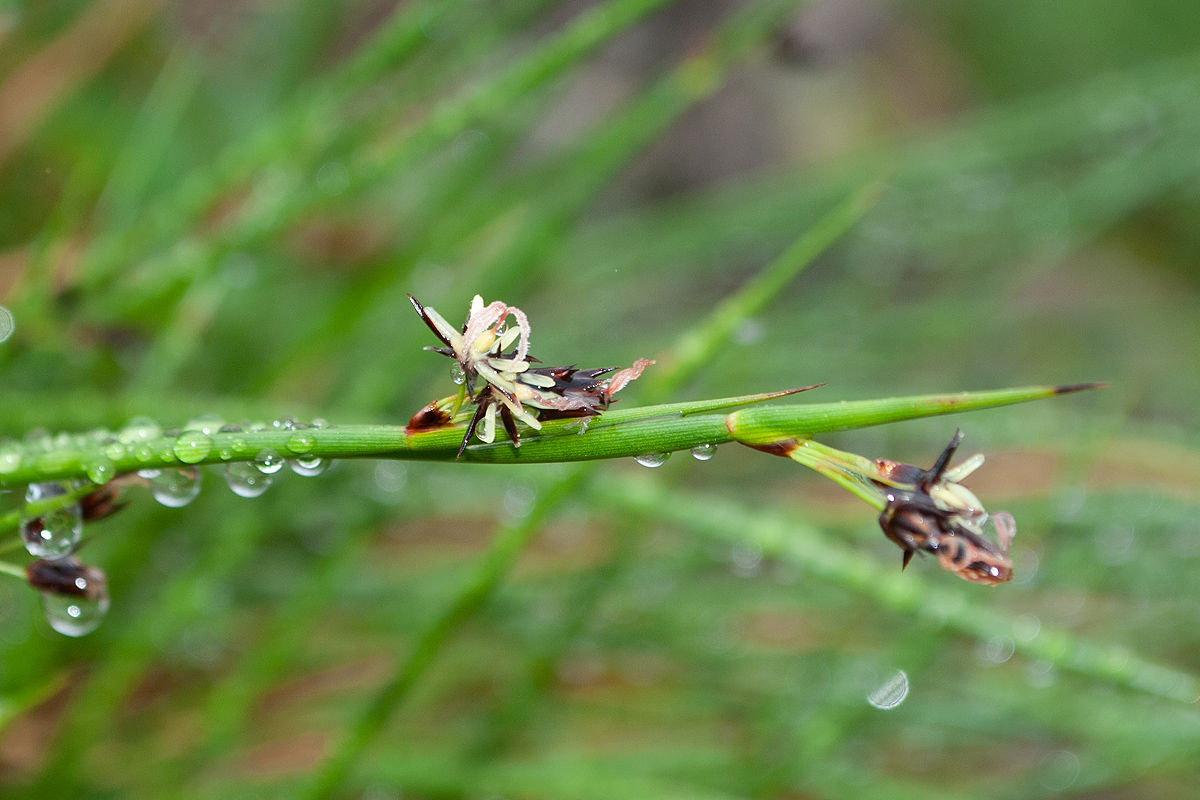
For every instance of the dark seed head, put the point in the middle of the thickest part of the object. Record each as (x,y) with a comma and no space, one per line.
(67,576)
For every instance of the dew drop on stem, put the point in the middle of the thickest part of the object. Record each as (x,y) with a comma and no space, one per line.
(301,443)
(100,470)
(175,487)
(652,459)
(268,462)
(308,466)
(10,459)
(704,452)
(208,424)
(54,533)
(139,429)
(192,447)
(246,480)
(74,595)
(74,616)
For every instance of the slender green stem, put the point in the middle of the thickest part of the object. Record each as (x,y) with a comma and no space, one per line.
(617,434)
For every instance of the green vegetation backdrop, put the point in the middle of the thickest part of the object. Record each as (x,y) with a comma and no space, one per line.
(217,208)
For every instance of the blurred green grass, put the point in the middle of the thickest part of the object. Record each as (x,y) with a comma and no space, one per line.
(217,208)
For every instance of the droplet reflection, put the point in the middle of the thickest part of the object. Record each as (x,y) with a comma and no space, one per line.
(652,459)
(891,692)
(246,480)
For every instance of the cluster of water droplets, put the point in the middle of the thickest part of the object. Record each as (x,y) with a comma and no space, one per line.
(253,478)
(53,536)
(701,452)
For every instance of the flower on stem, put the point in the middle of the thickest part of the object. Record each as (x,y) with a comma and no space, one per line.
(921,510)
(511,384)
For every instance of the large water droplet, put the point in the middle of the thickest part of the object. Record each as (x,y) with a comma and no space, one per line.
(456,374)
(652,459)
(74,595)
(308,466)
(891,692)
(175,488)
(100,470)
(246,480)
(268,462)
(192,447)
(301,443)
(74,616)
(55,533)
(703,452)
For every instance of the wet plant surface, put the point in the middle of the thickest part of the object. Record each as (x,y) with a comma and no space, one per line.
(211,218)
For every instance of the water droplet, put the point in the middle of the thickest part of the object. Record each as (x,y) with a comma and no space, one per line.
(74,616)
(891,692)
(149,473)
(301,443)
(115,451)
(230,429)
(175,488)
(1058,770)
(285,424)
(208,424)
(652,459)
(144,453)
(456,374)
(10,459)
(1026,627)
(139,429)
(225,453)
(318,424)
(55,533)
(239,445)
(390,477)
(6,324)
(192,447)
(74,595)
(245,480)
(100,470)
(308,466)
(996,650)
(703,452)
(268,461)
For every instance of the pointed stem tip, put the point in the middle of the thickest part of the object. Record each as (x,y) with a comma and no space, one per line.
(1078,387)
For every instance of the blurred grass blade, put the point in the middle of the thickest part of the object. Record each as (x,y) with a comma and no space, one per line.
(897,591)
(698,346)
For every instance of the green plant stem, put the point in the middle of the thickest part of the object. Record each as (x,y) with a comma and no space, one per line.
(617,434)
(901,592)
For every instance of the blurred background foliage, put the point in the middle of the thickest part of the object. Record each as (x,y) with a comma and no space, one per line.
(217,207)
